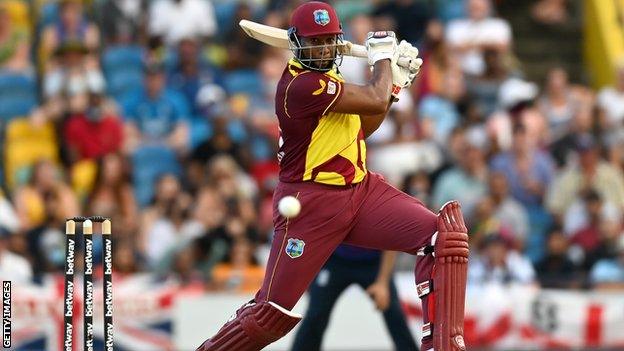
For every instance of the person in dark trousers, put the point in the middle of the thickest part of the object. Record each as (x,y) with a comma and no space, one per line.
(371,270)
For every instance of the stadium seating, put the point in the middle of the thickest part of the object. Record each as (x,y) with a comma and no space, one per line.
(25,144)
(245,81)
(150,162)
(17,95)
(123,68)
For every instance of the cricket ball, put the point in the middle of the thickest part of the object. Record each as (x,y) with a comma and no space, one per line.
(289,206)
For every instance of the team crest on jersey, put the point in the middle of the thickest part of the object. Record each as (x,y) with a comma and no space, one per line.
(321,17)
(331,88)
(459,341)
(294,248)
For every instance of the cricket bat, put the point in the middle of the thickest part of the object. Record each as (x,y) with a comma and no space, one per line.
(278,38)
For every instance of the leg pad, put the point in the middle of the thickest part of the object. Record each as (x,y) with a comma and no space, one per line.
(255,325)
(446,291)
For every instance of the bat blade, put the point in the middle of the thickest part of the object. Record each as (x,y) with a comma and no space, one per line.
(269,35)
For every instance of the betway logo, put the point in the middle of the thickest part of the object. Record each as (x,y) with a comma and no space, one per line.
(109,334)
(89,256)
(69,260)
(89,299)
(108,259)
(69,299)
(69,331)
(109,299)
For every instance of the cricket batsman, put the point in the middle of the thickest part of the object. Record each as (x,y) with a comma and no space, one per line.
(322,153)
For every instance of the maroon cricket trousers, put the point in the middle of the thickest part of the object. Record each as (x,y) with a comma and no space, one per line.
(371,214)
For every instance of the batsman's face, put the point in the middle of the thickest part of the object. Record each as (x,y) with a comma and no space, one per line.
(321,50)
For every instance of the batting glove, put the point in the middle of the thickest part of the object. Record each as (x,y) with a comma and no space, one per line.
(402,77)
(380,45)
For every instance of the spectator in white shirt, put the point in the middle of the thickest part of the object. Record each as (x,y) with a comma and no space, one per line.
(498,264)
(173,20)
(13,267)
(469,37)
(611,101)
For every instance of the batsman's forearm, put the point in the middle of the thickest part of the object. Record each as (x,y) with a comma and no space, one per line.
(370,123)
(381,81)
(387,266)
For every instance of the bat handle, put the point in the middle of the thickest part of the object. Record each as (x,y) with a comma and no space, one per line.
(360,51)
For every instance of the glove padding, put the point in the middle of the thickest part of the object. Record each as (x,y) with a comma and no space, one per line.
(402,77)
(380,45)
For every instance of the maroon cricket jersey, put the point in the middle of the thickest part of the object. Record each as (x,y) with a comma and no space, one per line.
(317,144)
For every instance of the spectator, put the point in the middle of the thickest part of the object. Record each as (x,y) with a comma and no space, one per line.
(507,210)
(94,130)
(590,171)
(550,12)
(213,246)
(560,103)
(614,143)
(112,195)
(484,88)
(611,101)
(122,21)
(170,230)
(498,264)
(354,70)
(241,274)
(418,185)
(563,149)
(227,176)
(8,218)
(27,141)
(156,114)
(13,267)
(184,267)
(528,169)
(485,224)
(438,112)
(583,218)
(14,44)
(608,230)
(242,51)
(470,37)
(608,273)
(465,182)
(72,27)
(556,269)
(191,71)
(516,99)
(172,20)
(45,185)
(408,18)
(127,259)
(73,76)
(440,65)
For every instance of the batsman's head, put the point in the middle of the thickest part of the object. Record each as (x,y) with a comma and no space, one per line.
(314,35)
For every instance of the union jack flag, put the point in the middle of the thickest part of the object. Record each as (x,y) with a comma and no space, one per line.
(142,320)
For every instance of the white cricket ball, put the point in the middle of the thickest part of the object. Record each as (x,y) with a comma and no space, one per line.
(289,206)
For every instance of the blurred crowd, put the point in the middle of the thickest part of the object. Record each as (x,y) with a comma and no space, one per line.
(160,115)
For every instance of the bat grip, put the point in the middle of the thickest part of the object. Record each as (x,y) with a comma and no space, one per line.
(360,51)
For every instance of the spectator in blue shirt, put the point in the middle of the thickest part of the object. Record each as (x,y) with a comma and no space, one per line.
(528,170)
(156,115)
(189,71)
(609,272)
(439,113)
